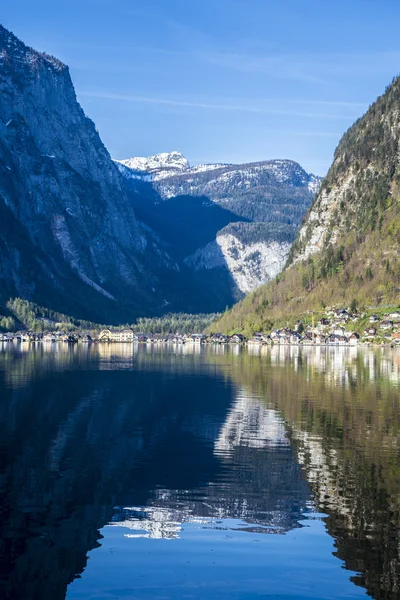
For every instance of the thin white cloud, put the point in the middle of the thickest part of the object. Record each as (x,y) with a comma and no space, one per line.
(209,106)
(325,134)
(305,67)
(339,103)
(280,66)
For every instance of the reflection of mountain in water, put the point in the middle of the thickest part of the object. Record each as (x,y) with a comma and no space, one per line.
(250,425)
(343,414)
(77,441)
(151,522)
(69,442)
(362,519)
(258,481)
(171,438)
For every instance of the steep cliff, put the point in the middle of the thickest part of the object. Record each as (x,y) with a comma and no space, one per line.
(347,249)
(252,252)
(69,237)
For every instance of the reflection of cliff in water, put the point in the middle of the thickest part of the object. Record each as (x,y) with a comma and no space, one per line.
(362,517)
(82,432)
(69,442)
(342,409)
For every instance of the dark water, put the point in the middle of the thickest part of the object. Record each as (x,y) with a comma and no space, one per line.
(131,472)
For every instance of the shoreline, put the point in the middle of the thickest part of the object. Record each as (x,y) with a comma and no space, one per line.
(55,343)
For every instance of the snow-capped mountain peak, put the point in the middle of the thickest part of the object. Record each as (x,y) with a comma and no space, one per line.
(176,176)
(164,161)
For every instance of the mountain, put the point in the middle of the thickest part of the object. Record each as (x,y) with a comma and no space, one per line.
(110,241)
(235,220)
(160,165)
(347,249)
(253,253)
(224,183)
(173,176)
(69,237)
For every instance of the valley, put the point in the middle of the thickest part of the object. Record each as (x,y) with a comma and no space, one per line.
(237,220)
(111,241)
(199,300)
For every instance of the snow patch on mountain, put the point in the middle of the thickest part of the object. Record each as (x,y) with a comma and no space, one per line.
(166,162)
(207,167)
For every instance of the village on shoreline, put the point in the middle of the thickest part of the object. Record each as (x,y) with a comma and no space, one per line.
(338,327)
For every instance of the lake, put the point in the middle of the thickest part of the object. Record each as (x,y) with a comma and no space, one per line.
(137,472)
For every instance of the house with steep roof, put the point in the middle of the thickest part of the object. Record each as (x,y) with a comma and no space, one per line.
(353,339)
(370,332)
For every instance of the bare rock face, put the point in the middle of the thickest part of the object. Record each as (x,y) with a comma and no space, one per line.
(67,228)
(250,264)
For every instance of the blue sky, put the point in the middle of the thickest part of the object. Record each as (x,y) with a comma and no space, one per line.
(219,80)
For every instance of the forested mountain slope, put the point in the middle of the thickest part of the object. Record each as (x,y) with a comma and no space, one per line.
(348,246)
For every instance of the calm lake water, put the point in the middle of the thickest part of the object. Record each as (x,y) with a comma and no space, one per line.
(133,472)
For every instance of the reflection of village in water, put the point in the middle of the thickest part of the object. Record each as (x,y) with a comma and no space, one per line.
(339,364)
(151,439)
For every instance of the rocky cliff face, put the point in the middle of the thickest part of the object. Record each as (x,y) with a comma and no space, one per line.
(267,196)
(68,236)
(250,265)
(362,183)
(251,262)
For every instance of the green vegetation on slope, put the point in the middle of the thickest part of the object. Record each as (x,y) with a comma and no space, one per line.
(358,208)
(176,323)
(353,272)
(21,314)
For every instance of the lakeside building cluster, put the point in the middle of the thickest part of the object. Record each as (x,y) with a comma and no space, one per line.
(335,328)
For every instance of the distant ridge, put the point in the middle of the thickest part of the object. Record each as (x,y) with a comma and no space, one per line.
(167,162)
